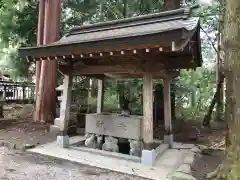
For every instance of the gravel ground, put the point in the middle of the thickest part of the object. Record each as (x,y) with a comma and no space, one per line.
(20,166)
(17,165)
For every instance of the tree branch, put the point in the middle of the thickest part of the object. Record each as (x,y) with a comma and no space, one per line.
(210,41)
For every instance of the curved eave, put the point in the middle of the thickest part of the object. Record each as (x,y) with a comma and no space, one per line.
(151,32)
(157,39)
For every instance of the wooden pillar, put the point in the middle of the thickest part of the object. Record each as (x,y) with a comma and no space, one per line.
(148,111)
(24,92)
(2,100)
(4,92)
(100,96)
(168,138)
(63,139)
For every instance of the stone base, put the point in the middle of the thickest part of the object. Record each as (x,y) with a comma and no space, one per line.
(182,176)
(57,122)
(54,128)
(110,144)
(168,139)
(63,141)
(148,157)
(161,149)
(72,120)
(135,148)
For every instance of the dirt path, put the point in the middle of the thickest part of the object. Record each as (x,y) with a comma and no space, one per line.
(19,166)
(24,132)
(207,164)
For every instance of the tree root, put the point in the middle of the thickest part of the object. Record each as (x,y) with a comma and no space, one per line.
(208,150)
(205,150)
(215,173)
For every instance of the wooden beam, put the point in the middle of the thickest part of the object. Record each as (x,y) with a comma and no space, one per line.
(170,73)
(78,63)
(66,103)
(167,112)
(173,59)
(167,106)
(65,69)
(118,68)
(112,76)
(101,69)
(173,46)
(148,111)
(100,96)
(129,43)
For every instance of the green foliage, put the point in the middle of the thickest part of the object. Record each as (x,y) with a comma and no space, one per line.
(201,85)
(18,23)
(125,89)
(209,17)
(18,27)
(18,66)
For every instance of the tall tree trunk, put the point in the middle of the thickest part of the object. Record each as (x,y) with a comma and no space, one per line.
(102,2)
(125,8)
(145,7)
(47,86)
(40,35)
(193,99)
(231,163)
(207,118)
(141,6)
(219,109)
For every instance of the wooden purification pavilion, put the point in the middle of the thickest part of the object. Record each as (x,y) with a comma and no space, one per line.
(148,47)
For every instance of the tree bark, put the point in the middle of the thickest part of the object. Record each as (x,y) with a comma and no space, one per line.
(100,96)
(148,111)
(102,2)
(46,103)
(40,35)
(220,97)
(125,8)
(231,163)
(207,118)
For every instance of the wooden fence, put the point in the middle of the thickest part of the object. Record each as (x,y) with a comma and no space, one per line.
(24,92)
(17,92)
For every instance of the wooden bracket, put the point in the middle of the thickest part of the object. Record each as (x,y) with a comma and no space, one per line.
(65,69)
(167,74)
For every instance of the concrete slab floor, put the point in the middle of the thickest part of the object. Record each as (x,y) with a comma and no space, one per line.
(166,164)
(18,165)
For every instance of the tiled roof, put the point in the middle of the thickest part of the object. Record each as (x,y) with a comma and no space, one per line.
(159,29)
(137,26)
